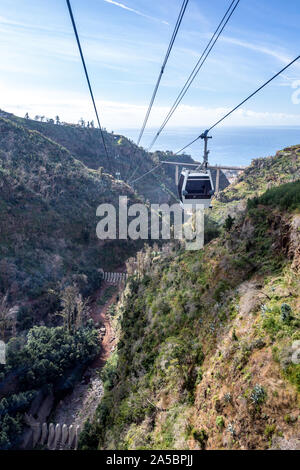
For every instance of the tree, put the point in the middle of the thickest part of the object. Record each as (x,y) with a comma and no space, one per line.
(26,116)
(57,120)
(7,317)
(229,223)
(81,312)
(74,309)
(37,118)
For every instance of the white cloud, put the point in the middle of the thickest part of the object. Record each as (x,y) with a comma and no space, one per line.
(137,12)
(17,44)
(17,25)
(279,55)
(117,115)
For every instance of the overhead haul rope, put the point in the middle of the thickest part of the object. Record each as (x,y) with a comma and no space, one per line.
(197,67)
(192,76)
(176,29)
(232,111)
(166,190)
(239,105)
(148,172)
(87,78)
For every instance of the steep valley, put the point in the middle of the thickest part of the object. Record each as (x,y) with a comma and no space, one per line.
(208,341)
(200,349)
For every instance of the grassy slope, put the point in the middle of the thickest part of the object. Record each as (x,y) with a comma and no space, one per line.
(204,356)
(48,204)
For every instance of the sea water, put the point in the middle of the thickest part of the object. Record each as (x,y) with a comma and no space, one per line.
(229,146)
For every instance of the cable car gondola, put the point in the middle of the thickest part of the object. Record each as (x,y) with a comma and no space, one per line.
(196,186)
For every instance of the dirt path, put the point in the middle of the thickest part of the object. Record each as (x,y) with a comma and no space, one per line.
(100,315)
(82,403)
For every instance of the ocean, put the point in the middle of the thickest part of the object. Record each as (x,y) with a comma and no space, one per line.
(229,146)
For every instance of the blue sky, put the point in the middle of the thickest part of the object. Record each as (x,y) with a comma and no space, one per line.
(124,43)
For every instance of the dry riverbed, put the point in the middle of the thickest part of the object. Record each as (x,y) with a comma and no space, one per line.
(82,403)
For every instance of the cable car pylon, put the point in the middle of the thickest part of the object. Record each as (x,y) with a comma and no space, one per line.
(205,137)
(196,187)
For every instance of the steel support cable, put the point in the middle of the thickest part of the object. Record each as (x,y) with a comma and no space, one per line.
(135,170)
(241,104)
(176,29)
(231,9)
(195,68)
(148,172)
(191,143)
(194,73)
(137,166)
(87,78)
(166,190)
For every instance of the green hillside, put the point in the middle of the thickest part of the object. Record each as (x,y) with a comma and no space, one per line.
(48,220)
(261,175)
(125,157)
(206,339)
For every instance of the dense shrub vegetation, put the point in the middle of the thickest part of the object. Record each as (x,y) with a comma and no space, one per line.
(49,352)
(46,357)
(286,196)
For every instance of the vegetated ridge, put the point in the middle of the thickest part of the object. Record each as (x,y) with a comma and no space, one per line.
(125,158)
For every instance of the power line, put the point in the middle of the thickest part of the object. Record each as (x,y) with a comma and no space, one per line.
(243,102)
(87,77)
(231,9)
(176,29)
